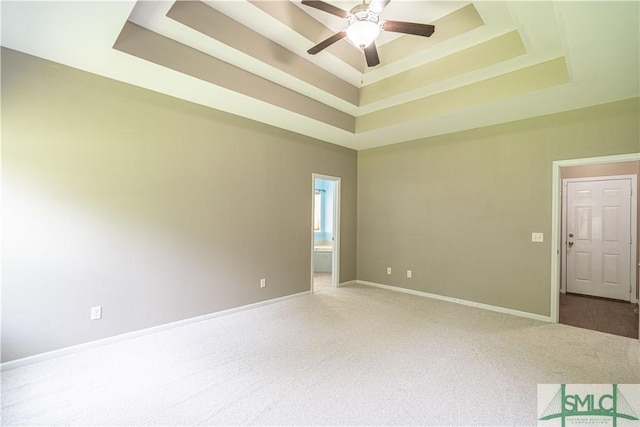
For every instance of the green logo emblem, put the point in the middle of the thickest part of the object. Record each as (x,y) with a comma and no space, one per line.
(609,407)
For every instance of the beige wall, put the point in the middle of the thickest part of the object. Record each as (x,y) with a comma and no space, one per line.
(610,169)
(157,209)
(161,210)
(459,210)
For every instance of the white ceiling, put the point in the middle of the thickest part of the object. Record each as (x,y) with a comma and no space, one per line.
(599,41)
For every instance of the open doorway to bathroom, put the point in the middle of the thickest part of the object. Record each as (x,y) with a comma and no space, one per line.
(325,230)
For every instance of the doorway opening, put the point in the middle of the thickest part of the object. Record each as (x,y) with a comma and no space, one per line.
(325,247)
(595,234)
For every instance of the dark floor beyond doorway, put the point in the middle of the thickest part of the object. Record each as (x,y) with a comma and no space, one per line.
(599,314)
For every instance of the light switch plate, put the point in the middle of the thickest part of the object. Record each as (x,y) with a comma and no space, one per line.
(537,237)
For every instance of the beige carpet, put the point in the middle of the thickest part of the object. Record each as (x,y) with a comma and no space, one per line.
(322,281)
(355,355)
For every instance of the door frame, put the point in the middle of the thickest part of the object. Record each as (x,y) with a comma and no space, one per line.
(556,205)
(634,231)
(335,255)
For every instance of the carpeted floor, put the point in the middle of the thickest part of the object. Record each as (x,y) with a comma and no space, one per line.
(322,281)
(345,356)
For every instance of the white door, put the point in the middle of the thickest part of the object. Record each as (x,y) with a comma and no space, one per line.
(598,238)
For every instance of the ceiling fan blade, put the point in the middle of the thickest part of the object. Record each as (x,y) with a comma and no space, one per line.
(326,43)
(371,54)
(424,30)
(378,6)
(326,7)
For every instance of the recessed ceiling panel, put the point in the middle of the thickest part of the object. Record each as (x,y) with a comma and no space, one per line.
(491,52)
(488,62)
(160,50)
(447,27)
(530,79)
(202,18)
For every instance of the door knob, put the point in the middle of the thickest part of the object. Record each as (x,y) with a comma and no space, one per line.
(570,234)
(570,243)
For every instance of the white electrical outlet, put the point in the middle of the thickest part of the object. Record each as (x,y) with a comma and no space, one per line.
(388,270)
(263,283)
(96,312)
(537,237)
(409,274)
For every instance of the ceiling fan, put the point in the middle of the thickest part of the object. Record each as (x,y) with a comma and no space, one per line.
(364,27)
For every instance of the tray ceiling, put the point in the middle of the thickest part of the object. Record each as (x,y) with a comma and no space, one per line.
(487,63)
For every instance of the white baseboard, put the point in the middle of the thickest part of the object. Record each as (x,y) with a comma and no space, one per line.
(117,338)
(458,301)
(349,283)
(126,336)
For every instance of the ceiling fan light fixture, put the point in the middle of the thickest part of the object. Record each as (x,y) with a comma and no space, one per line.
(365,26)
(363,33)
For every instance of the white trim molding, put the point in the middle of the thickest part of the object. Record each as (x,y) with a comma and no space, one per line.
(459,301)
(349,283)
(129,335)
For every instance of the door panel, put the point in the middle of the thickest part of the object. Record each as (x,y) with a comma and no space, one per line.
(583,267)
(583,220)
(598,242)
(610,216)
(611,269)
